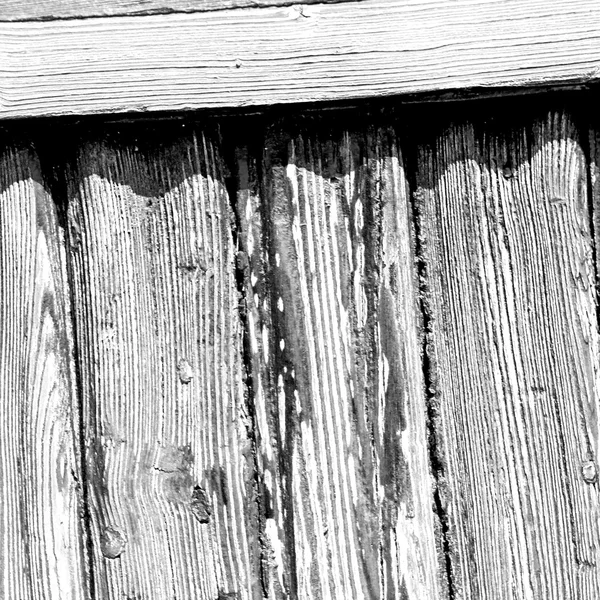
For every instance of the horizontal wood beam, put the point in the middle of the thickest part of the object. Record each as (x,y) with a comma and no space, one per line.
(17,10)
(301,53)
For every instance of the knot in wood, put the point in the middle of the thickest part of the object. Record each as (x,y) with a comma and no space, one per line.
(112,543)
(185,371)
(200,505)
(508,170)
(589,471)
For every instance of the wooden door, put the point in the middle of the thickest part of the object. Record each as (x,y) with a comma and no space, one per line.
(332,354)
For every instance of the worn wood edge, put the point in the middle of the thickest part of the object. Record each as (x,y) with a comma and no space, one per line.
(378,110)
(280,55)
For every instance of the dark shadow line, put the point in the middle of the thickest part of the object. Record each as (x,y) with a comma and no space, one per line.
(435,452)
(229,156)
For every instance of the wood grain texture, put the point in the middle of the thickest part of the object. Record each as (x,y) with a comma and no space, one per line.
(15,10)
(336,369)
(41,536)
(513,345)
(237,58)
(168,453)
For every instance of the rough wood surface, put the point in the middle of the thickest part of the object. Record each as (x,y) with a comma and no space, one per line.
(263,56)
(513,345)
(169,458)
(17,10)
(336,369)
(41,538)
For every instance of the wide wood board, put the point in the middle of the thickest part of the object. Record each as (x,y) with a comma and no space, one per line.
(168,454)
(511,307)
(333,331)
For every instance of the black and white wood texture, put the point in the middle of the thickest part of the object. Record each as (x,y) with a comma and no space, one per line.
(506,236)
(168,453)
(334,339)
(310,359)
(42,541)
(297,53)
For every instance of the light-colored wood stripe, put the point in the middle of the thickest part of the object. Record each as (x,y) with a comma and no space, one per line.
(171,467)
(244,57)
(337,376)
(42,540)
(505,228)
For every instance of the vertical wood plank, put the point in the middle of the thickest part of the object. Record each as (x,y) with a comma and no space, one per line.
(41,535)
(336,369)
(505,231)
(170,460)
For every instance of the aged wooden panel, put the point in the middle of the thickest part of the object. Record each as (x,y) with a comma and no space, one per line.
(300,53)
(16,10)
(513,345)
(169,457)
(336,368)
(42,541)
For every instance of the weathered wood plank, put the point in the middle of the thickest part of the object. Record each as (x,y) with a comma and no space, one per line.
(336,369)
(16,10)
(170,461)
(505,231)
(238,58)
(42,540)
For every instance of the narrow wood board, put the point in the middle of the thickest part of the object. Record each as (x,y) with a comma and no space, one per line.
(513,347)
(16,10)
(336,368)
(42,541)
(166,430)
(299,53)
(593,123)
